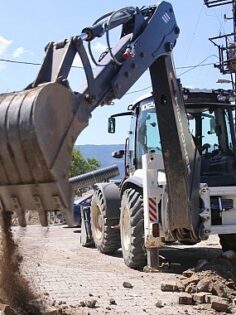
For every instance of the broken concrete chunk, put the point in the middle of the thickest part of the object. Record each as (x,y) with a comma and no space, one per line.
(199,297)
(191,288)
(204,285)
(169,286)
(188,273)
(220,305)
(159,304)
(91,303)
(193,279)
(219,290)
(212,298)
(112,302)
(127,285)
(185,298)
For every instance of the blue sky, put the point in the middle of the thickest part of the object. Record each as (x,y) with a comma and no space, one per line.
(26,27)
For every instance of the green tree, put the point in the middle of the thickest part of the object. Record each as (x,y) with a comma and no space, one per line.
(80,165)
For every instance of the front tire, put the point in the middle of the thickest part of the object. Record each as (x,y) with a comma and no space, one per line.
(106,238)
(132,229)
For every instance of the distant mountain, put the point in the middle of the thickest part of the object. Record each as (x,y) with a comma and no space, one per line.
(103,153)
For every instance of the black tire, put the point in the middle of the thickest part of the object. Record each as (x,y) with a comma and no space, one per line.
(106,239)
(132,229)
(228,242)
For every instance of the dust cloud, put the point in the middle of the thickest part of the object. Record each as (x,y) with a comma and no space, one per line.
(14,289)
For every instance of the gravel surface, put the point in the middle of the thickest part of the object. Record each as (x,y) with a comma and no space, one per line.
(76,280)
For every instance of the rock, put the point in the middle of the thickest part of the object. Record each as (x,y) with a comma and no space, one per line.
(188,273)
(112,302)
(204,285)
(185,298)
(6,310)
(127,285)
(82,303)
(199,297)
(91,303)
(212,298)
(159,304)
(171,286)
(219,290)
(193,279)
(181,278)
(191,288)
(220,305)
(108,308)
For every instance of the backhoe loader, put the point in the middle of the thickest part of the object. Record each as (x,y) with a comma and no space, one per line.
(39,126)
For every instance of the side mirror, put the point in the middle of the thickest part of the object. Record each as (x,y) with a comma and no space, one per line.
(111,125)
(118,154)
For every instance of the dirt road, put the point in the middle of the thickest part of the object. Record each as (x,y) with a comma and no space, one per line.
(69,276)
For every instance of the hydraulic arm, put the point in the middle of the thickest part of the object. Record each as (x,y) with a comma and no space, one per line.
(39,125)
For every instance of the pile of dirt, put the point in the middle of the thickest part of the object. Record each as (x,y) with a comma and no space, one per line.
(14,289)
(212,281)
(222,273)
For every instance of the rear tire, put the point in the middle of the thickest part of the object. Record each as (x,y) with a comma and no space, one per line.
(228,242)
(106,239)
(132,229)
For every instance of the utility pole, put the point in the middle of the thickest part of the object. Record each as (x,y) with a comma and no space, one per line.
(226,51)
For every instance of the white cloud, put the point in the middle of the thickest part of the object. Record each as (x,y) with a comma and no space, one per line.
(4,44)
(18,52)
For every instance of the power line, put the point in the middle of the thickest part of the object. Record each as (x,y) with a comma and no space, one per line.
(194,33)
(79,67)
(189,68)
(28,63)
(200,64)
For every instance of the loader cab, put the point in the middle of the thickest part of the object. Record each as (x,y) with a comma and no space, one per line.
(144,133)
(211,122)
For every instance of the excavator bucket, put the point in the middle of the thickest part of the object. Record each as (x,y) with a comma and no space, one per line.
(31,175)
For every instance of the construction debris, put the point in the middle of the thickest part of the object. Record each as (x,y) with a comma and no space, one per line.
(127,285)
(211,283)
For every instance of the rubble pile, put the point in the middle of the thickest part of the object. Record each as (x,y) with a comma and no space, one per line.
(212,283)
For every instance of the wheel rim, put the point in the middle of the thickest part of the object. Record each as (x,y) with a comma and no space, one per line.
(126,229)
(97,222)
